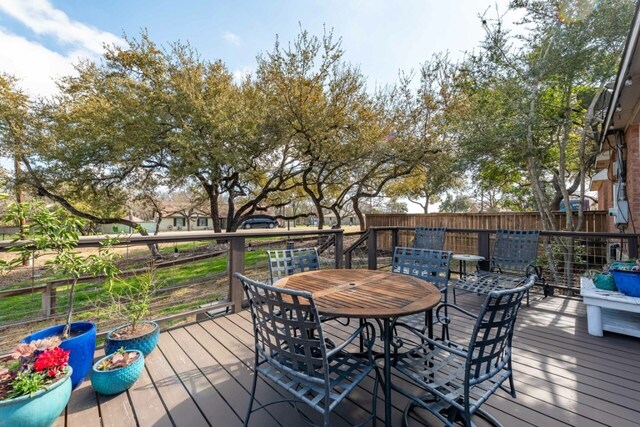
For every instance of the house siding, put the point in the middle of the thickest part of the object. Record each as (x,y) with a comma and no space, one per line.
(605,193)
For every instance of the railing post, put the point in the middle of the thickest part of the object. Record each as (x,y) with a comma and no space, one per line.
(483,249)
(339,247)
(633,246)
(49,300)
(372,244)
(236,265)
(394,239)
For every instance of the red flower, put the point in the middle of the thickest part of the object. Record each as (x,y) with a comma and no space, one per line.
(52,361)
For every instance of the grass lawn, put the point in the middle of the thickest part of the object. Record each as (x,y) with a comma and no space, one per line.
(95,294)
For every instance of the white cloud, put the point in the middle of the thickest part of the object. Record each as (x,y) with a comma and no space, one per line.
(42,18)
(240,74)
(231,38)
(35,65)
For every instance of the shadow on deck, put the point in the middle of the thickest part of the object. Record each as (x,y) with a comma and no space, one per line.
(200,375)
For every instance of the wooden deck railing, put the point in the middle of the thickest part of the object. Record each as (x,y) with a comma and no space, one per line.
(571,255)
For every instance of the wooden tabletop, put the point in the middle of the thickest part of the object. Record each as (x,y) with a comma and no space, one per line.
(364,293)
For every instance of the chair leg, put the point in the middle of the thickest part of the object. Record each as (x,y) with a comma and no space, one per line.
(454,296)
(253,395)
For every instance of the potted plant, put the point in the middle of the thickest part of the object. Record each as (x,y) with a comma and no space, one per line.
(35,384)
(117,372)
(627,277)
(133,303)
(56,233)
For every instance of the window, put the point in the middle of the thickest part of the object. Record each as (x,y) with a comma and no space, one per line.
(203,222)
(179,222)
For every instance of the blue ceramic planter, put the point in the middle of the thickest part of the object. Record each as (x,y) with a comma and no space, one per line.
(145,343)
(627,282)
(82,347)
(39,409)
(117,380)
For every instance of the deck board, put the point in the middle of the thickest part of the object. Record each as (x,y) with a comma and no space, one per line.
(201,375)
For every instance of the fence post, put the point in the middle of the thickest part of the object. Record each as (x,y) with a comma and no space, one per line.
(633,246)
(339,246)
(394,238)
(49,300)
(372,244)
(483,249)
(236,265)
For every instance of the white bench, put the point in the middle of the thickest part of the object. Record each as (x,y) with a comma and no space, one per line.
(610,311)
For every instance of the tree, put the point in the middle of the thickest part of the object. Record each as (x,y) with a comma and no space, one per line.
(433,110)
(532,100)
(457,203)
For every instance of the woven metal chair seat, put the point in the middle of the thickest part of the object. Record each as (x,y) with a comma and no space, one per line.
(483,282)
(512,261)
(345,372)
(442,374)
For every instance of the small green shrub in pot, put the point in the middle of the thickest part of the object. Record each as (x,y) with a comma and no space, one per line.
(133,303)
(55,233)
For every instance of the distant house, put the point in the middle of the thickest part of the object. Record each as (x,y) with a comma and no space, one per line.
(179,221)
(117,228)
(617,179)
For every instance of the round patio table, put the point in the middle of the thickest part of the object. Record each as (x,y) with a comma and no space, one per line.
(367,294)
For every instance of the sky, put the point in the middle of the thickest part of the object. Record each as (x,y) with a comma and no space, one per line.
(40,40)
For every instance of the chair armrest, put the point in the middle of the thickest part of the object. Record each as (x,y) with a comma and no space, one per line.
(445,320)
(425,339)
(371,333)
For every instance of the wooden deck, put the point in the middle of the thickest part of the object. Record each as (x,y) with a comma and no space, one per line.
(200,375)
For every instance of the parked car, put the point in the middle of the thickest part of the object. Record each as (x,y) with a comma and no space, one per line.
(259,223)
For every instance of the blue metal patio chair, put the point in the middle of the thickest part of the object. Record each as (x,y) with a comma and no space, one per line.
(291,351)
(286,262)
(512,261)
(460,376)
(430,265)
(429,238)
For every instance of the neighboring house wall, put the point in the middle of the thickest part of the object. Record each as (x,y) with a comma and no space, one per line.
(633,175)
(175,223)
(605,192)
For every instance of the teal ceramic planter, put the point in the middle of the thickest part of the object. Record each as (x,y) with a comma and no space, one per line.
(145,343)
(39,409)
(117,380)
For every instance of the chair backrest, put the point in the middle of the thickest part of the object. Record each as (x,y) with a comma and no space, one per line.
(429,238)
(515,250)
(430,265)
(287,329)
(490,345)
(289,261)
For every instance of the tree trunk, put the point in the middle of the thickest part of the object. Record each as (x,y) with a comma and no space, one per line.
(215,211)
(359,214)
(20,199)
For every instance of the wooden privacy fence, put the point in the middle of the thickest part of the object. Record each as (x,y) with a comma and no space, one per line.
(594,221)
(468,224)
